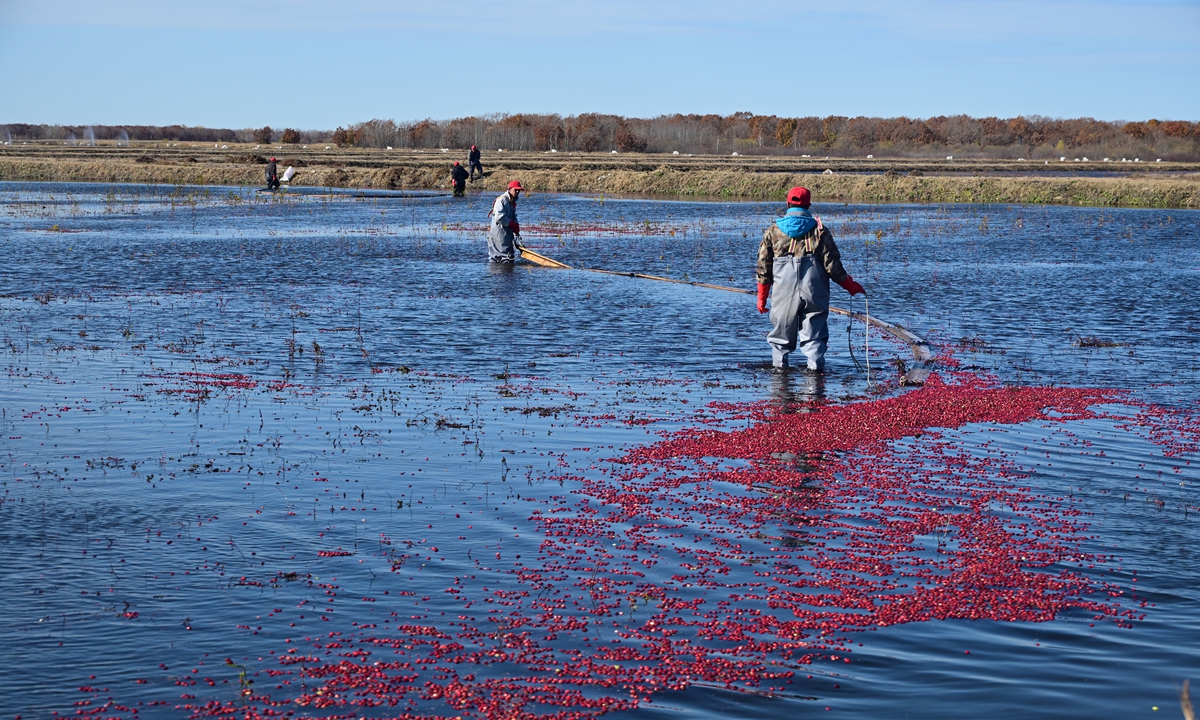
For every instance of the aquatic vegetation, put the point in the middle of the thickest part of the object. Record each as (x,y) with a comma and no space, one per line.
(907,180)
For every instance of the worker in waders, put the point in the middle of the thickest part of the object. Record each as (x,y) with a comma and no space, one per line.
(473,162)
(458,179)
(272,175)
(504,228)
(796,260)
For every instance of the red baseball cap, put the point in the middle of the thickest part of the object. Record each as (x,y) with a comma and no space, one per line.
(799,196)
(272,159)
(456,163)
(515,185)
(472,147)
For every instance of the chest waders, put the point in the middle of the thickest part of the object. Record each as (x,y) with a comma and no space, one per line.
(502,243)
(800,304)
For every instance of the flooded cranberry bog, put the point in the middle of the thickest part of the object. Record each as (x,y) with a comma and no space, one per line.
(308,455)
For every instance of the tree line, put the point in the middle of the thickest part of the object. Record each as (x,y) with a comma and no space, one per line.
(24,132)
(744,133)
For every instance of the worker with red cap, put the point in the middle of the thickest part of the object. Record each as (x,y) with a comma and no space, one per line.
(796,260)
(458,179)
(272,175)
(473,162)
(504,229)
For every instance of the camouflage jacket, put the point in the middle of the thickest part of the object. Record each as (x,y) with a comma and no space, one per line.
(819,243)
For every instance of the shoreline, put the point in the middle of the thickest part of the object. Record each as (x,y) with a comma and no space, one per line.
(895,180)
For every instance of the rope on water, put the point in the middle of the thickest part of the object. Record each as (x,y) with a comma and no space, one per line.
(918,346)
(867,336)
(850,336)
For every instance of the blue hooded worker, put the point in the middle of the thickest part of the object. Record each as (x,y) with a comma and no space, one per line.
(796,260)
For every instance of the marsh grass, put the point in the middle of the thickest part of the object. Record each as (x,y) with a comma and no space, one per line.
(1093,341)
(876,181)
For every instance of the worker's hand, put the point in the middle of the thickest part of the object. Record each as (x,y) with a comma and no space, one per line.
(851,286)
(763,290)
(515,227)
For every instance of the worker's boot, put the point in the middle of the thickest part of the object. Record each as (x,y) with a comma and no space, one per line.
(779,359)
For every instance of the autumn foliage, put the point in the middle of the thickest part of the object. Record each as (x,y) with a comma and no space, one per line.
(1030,136)
(834,135)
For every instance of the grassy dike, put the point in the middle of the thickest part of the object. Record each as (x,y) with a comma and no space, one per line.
(879,181)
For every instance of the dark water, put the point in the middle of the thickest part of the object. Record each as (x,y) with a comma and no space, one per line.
(206,387)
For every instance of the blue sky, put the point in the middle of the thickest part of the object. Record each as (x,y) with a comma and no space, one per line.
(309,64)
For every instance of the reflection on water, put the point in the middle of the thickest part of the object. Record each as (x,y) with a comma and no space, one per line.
(793,389)
(213,396)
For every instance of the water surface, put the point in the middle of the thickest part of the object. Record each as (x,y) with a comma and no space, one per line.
(212,394)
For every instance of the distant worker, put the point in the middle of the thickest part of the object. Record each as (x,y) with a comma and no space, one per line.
(796,260)
(272,175)
(504,230)
(473,162)
(458,179)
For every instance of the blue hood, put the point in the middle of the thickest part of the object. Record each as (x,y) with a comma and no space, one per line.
(797,223)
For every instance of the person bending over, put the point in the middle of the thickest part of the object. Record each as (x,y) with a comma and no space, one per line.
(458,179)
